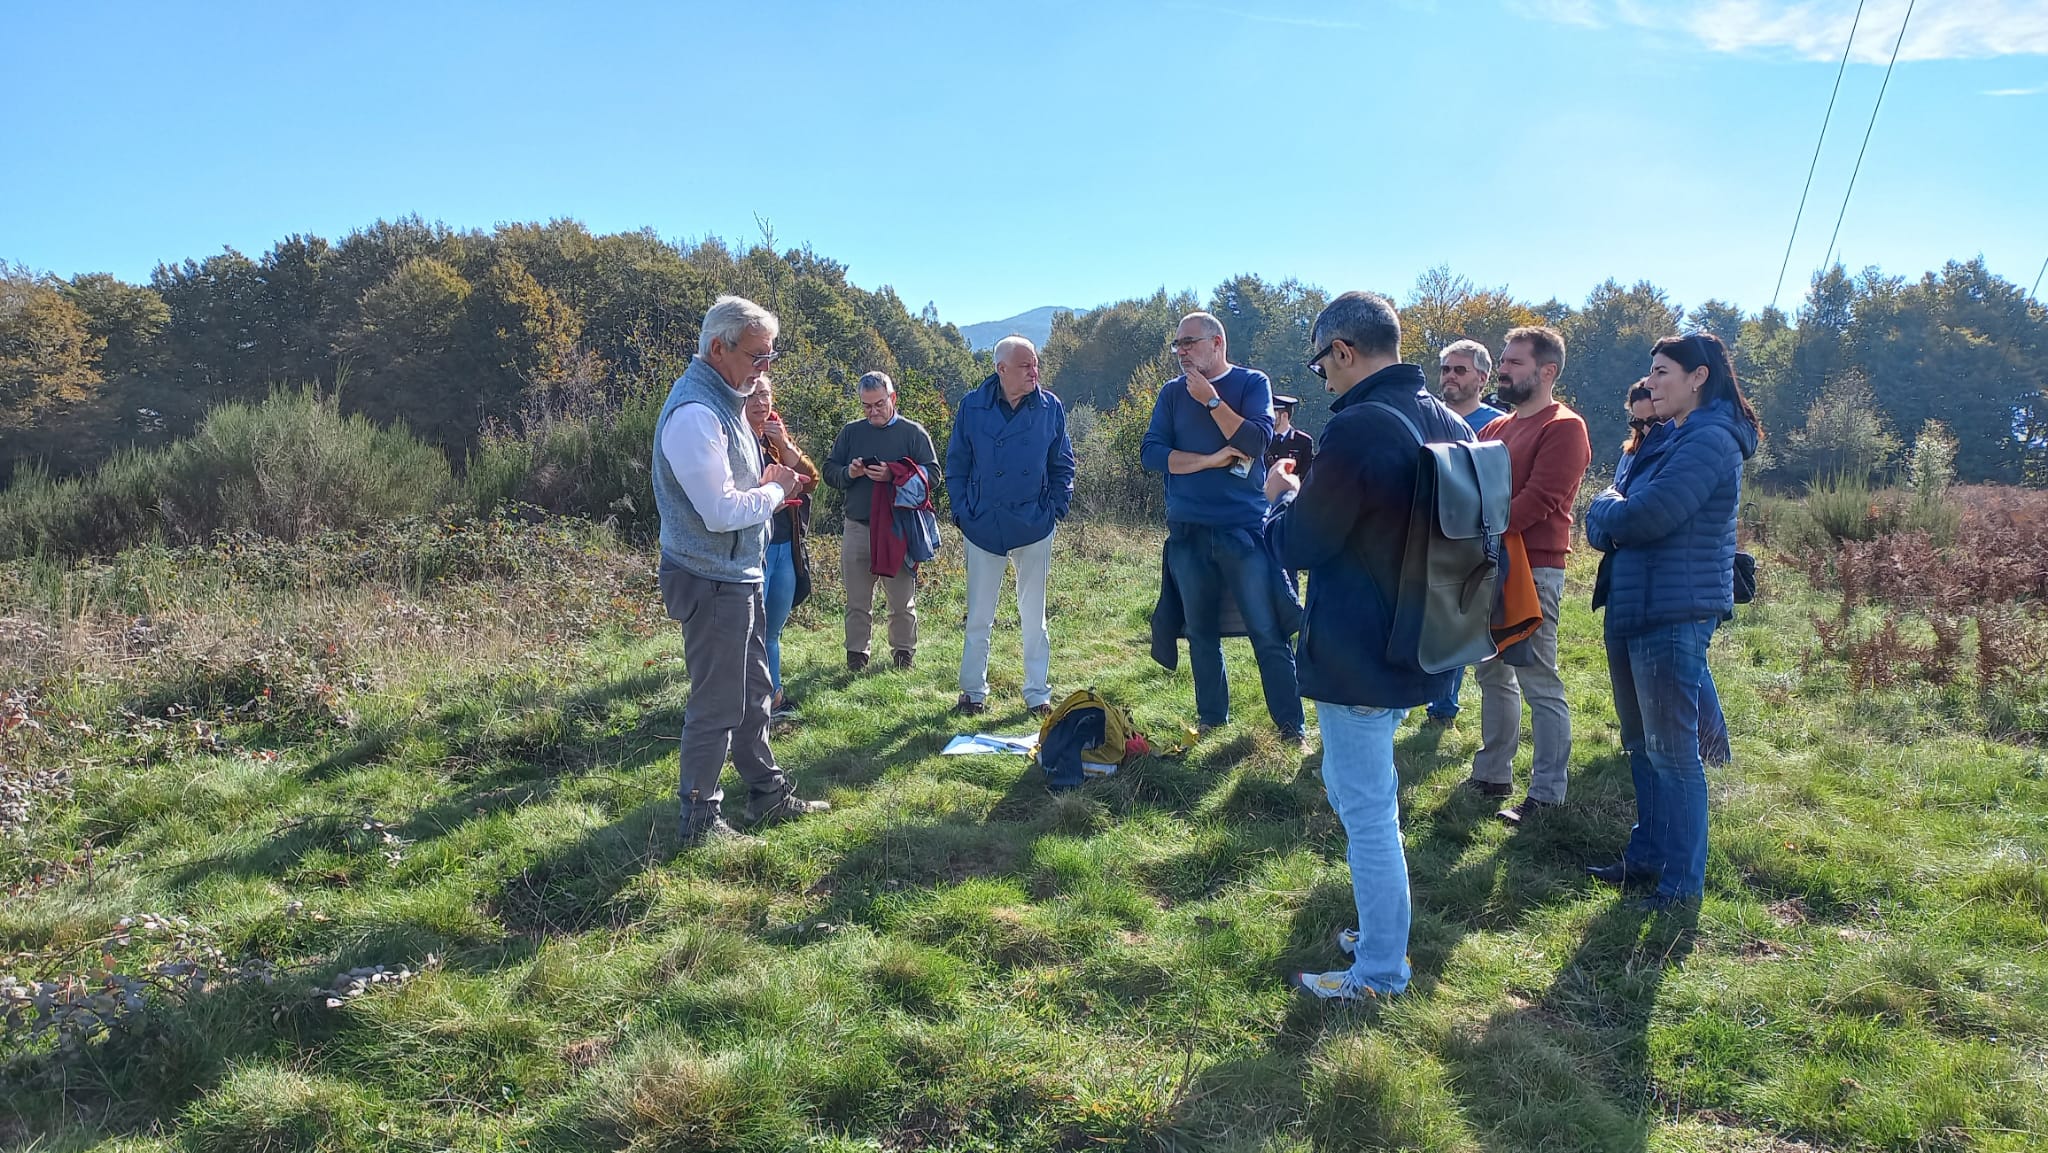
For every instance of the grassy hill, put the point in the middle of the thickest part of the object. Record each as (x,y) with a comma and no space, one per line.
(253,775)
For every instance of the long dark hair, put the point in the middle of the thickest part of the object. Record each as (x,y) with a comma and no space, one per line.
(1638,428)
(1704,349)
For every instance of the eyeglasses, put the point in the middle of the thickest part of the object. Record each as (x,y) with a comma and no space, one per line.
(1186,343)
(763,359)
(1315,363)
(1457,369)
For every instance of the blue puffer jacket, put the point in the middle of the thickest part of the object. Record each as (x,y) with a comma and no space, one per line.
(1670,523)
(1011,477)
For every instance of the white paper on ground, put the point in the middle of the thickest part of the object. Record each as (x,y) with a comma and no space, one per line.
(991,743)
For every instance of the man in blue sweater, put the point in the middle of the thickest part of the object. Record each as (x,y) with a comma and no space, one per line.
(1208,435)
(1348,525)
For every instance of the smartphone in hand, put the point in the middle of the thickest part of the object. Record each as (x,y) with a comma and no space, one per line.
(1241,467)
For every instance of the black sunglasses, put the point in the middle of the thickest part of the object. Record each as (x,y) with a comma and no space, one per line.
(1315,363)
(1638,394)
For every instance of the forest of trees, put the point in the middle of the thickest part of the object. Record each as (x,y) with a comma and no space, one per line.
(453,332)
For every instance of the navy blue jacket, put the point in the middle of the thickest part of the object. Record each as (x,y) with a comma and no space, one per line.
(1670,523)
(1212,496)
(1349,528)
(1011,477)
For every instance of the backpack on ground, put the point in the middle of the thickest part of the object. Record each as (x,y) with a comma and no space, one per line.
(1451,571)
(1085,729)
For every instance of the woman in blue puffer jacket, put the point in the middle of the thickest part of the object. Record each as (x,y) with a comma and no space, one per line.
(1669,522)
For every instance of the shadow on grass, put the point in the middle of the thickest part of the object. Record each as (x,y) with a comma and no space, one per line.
(1570,1067)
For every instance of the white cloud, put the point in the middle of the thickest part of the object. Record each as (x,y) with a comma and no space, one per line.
(2036,90)
(1816,29)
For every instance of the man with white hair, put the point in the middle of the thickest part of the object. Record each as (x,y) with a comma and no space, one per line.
(1463,368)
(861,456)
(1010,470)
(716,497)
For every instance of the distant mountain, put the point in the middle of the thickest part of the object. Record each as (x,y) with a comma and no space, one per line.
(1034,326)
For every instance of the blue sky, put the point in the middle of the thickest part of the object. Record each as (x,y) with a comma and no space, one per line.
(996,157)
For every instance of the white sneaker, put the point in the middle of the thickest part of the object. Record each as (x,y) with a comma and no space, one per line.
(1333,986)
(1347,942)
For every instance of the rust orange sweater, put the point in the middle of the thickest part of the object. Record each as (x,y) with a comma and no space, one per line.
(1549,452)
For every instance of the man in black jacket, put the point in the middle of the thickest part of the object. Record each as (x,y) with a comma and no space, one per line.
(1347,523)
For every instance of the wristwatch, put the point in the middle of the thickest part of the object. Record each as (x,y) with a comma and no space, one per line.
(1214,401)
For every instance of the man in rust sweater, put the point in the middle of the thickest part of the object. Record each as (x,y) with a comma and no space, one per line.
(1549,451)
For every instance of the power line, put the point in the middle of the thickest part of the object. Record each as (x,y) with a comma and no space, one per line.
(1830,115)
(1896,45)
(2035,291)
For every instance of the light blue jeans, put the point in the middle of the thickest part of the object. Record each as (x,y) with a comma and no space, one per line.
(780,594)
(1358,775)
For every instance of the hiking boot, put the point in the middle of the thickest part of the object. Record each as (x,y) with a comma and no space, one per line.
(855,662)
(716,832)
(903,660)
(1514,814)
(1295,738)
(1622,877)
(785,807)
(1488,788)
(967,706)
(1333,986)
(1041,711)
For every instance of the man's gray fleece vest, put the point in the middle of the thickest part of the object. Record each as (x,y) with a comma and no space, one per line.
(736,556)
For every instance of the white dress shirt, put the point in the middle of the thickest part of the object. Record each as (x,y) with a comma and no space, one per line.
(694,442)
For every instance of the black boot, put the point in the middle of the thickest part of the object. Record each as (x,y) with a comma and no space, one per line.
(1621,876)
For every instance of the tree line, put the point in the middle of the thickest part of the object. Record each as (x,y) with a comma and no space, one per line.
(1844,386)
(459,333)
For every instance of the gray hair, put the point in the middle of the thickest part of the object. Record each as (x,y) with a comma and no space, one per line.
(1205,321)
(1364,320)
(1010,344)
(1481,359)
(877,381)
(729,321)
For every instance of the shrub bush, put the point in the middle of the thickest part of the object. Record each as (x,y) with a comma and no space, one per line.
(288,467)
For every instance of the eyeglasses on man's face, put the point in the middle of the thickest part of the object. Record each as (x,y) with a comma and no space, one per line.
(1188,343)
(1315,363)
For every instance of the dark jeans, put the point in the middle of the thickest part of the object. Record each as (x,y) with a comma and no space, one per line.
(1658,677)
(725,651)
(1205,560)
(1447,708)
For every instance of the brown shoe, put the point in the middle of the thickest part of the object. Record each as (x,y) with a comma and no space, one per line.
(967,706)
(855,662)
(786,806)
(902,658)
(1041,711)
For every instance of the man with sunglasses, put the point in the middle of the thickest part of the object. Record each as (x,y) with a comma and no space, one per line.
(861,456)
(1208,436)
(716,496)
(1462,370)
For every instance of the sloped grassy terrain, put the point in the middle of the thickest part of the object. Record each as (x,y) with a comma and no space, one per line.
(374,836)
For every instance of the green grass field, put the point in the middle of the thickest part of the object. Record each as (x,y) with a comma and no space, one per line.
(450,752)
